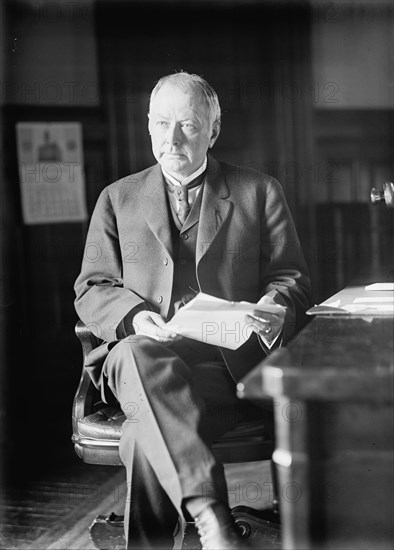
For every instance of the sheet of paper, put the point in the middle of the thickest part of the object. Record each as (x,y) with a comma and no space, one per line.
(380,286)
(360,306)
(374,299)
(370,309)
(217,322)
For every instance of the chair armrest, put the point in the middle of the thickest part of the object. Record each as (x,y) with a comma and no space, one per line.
(88,340)
(86,393)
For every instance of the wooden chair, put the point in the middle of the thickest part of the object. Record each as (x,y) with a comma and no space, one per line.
(97,429)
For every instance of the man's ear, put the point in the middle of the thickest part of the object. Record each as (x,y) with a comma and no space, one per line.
(214,134)
(148,115)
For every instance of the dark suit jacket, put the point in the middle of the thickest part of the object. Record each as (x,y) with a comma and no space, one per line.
(247,246)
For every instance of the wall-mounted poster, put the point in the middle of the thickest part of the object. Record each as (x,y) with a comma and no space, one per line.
(50,158)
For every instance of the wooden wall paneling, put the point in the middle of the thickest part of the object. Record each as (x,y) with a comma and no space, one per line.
(356,146)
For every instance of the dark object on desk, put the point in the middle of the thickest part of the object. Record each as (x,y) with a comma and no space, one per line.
(387,195)
(333,394)
(96,433)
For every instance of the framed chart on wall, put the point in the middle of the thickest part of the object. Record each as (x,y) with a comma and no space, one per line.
(51,172)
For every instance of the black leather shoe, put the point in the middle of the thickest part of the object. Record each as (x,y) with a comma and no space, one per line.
(217,530)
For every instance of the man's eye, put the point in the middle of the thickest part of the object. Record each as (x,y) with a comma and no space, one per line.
(188,126)
(161,123)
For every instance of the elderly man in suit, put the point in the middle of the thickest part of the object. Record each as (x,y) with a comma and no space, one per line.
(156,238)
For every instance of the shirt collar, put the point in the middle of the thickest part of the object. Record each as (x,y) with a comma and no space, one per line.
(189,178)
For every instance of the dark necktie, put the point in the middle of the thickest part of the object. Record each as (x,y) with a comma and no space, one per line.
(182,196)
(181,193)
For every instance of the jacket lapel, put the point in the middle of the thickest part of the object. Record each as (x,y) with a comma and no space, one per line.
(156,208)
(214,208)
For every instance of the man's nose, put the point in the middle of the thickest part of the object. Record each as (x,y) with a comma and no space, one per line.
(173,135)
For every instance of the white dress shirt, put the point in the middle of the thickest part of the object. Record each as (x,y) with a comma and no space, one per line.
(192,193)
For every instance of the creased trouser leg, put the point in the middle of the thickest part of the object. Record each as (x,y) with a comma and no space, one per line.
(168,426)
(149,511)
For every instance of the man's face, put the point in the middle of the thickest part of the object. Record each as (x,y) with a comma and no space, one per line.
(180,130)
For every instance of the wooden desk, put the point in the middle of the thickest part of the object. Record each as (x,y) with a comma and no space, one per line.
(333,399)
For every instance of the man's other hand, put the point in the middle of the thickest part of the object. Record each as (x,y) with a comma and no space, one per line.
(266,325)
(151,324)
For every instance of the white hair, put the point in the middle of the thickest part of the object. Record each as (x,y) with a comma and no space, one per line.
(186,82)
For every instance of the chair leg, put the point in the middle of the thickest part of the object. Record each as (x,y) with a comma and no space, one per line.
(107,532)
(275,501)
(261,527)
(260,532)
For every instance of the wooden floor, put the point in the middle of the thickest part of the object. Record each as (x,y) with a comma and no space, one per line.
(54,510)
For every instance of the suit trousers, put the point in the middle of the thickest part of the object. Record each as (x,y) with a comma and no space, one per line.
(177,400)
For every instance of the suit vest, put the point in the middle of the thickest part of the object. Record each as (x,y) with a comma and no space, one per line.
(184,241)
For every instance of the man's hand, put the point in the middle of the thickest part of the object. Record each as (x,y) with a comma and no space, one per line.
(266,325)
(151,324)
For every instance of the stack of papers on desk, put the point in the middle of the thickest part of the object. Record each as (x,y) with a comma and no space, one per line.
(216,321)
(380,287)
(373,300)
